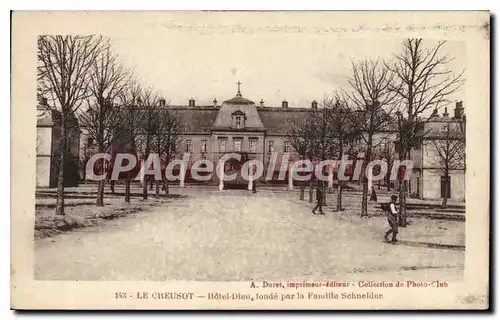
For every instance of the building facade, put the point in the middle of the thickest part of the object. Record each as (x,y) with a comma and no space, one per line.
(238,125)
(428,176)
(48,132)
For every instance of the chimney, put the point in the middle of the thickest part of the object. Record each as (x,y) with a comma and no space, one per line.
(162,102)
(284,104)
(191,102)
(459,110)
(445,113)
(434,114)
(215,102)
(262,103)
(314,104)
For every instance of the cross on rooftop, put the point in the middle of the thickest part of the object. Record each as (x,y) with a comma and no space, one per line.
(239,92)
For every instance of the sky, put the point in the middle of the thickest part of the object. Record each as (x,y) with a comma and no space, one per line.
(183,63)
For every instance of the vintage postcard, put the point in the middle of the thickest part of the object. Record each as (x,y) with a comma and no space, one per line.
(250,160)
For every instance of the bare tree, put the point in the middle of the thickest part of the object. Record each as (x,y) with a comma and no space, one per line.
(166,139)
(101,119)
(373,99)
(63,77)
(149,106)
(130,120)
(324,141)
(448,144)
(387,152)
(300,134)
(342,132)
(423,81)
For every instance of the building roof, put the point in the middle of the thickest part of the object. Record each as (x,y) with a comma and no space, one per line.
(275,120)
(196,119)
(239,100)
(47,117)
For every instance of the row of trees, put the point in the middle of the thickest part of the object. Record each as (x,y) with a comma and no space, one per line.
(81,78)
(383,96)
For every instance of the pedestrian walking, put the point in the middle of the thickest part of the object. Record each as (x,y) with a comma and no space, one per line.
(392,218)
(319,199)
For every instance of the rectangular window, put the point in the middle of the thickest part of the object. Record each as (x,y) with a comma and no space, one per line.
(287,146)
(238,122)
(253,145)
(203,145)
(90,141)
(237,145)
(271,146)
(222,145)
(189,145)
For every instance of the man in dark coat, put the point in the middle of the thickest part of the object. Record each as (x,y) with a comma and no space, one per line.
(392,219)
(319,199)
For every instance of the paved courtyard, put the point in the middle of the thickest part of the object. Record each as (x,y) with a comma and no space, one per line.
(238,236)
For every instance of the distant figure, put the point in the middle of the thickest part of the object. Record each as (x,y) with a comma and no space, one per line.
(112,186)
(254,187)
(319,199)
(392,219)
(373,196)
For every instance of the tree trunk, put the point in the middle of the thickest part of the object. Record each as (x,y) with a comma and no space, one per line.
(310,191)
(402,193)
(323,189)
(339,197)
(145,189)
(302,191)
(402,202)
(446,195)
(60,177)
(100,193)
(157,189)
(364,199)
(165,184)
(366,160)
(101,184)
(127,189)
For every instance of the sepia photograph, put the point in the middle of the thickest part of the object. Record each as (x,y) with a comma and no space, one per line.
(251,160)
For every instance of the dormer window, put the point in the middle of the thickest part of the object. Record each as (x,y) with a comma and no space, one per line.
(238,119)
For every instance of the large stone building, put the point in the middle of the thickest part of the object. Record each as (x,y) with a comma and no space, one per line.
(237,125)
(259,131)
